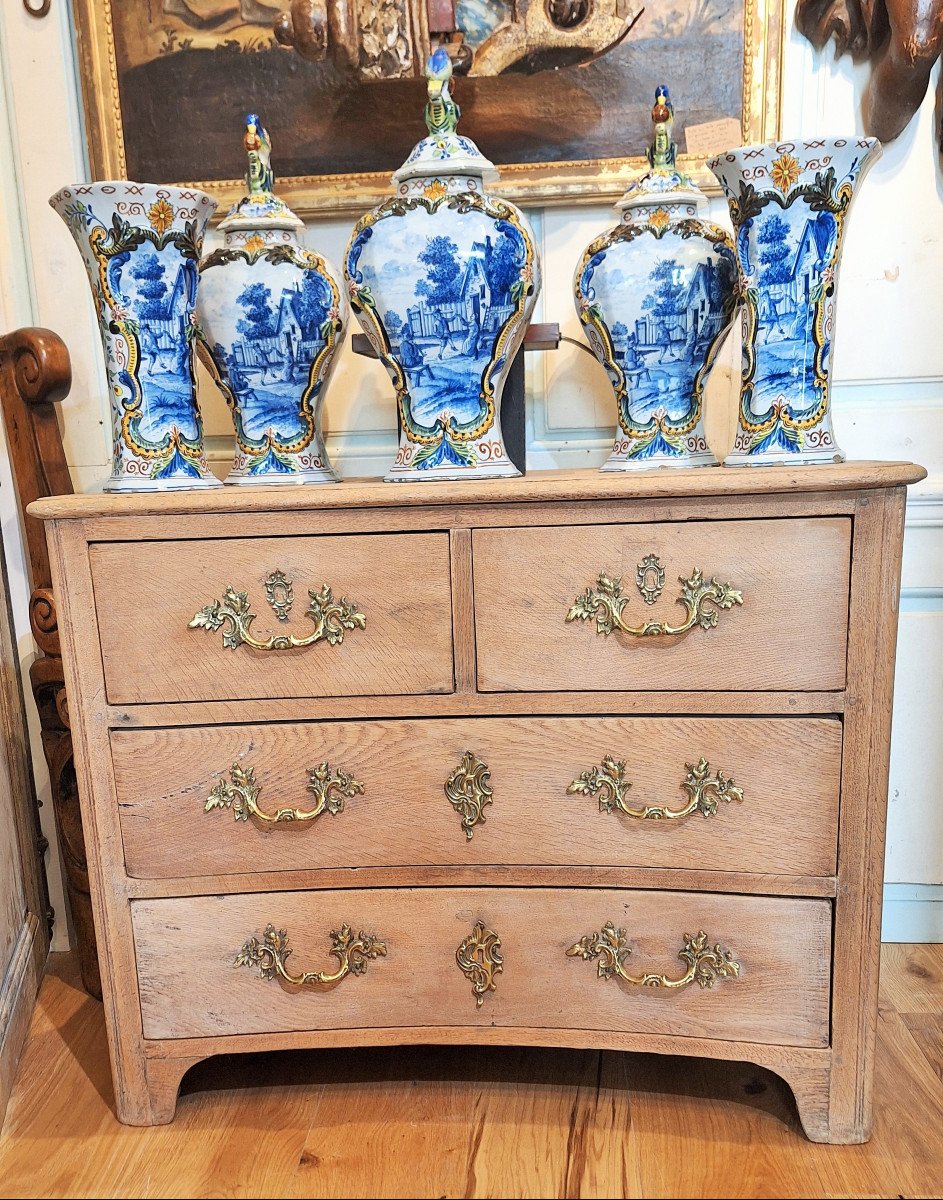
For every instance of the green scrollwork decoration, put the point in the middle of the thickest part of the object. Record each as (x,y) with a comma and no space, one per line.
(271,952)
(241,793)
(330,618)
(610,946)
(703,790)
(701,601)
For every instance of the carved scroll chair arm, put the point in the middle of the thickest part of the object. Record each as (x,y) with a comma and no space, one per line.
(35,375)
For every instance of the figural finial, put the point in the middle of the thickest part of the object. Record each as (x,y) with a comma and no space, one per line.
(442,113)
(663,152)
(260,179)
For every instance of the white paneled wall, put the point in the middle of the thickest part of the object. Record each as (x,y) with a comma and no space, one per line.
(888,369)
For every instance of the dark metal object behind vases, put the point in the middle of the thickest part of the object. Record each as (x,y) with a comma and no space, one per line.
(36,374)
(902,40)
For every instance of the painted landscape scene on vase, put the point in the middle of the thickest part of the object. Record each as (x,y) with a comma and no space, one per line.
(159,287)
(264,346)
(788,255)
(445,284)
(662,323)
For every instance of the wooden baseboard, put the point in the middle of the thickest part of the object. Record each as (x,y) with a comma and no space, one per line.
(17,996)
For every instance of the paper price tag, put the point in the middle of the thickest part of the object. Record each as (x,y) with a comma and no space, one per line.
(713,137)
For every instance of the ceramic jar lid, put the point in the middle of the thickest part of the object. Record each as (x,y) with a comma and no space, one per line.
(663,183)
(443,152)
(260,208)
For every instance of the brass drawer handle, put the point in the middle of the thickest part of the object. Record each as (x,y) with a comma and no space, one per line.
(610,946)
(469,791)
(480,960)
(606,603)
(703,789)
(271,952)
(241,793)
(329,616)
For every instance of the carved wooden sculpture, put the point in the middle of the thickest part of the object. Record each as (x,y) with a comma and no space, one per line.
(901,38)
(35,373)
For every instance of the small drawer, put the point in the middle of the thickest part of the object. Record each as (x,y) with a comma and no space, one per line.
(760,794)
(773,987)
(789,632)
(385,627)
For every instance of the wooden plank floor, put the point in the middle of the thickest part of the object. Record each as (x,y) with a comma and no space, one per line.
(472,1122)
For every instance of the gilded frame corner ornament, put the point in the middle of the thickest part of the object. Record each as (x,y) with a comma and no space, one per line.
(589,181)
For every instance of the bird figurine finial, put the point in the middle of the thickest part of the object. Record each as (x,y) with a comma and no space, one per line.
(662,153)
(260,179)
(442,113)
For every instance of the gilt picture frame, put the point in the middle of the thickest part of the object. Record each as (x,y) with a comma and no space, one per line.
(165,97)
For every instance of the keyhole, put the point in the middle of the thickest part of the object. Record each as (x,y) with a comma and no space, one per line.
(568,14)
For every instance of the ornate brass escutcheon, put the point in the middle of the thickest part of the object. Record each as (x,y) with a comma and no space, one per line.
(650,578)
(329,616)
(479,957)
(241,793)
(270,953)
(703,789)
(469,791)
(606,603)
(280,594)
(610,946)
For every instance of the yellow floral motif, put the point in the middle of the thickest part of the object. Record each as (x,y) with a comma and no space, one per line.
(435,190)
(161,216)
(784,172)
(256,242)
(659,219)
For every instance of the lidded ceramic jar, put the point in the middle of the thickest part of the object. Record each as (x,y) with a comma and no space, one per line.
(272,315)
(656,298)
(443,278)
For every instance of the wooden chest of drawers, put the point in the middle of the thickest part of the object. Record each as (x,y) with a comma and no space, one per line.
(572,760)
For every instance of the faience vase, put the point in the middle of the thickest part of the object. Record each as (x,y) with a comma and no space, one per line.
(272,316)
(655,296)
(789,204)
(141,246)
(443,278)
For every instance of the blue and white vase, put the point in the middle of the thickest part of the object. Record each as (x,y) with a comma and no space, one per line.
(443,278)
(272,316)
(789,204)
(141,246)
(655,296)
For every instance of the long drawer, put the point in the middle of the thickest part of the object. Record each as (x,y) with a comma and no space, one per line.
(759,794)
(385,628)
(786,627)
(769,982)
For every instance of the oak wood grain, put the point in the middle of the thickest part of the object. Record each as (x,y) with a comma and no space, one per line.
(790,631)
(786,823)
(189,986)
(482,704)
(147,595)
(535,487)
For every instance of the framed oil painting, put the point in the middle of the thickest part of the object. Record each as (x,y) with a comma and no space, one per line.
(558,93)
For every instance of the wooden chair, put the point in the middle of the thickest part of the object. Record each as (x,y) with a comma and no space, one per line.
(35,374)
